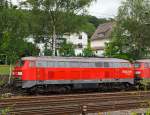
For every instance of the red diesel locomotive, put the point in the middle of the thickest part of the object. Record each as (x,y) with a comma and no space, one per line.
(72,72)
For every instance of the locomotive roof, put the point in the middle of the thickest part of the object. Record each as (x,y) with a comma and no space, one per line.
(143,60)
(80,59)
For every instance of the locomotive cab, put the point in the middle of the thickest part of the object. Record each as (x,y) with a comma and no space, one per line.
(138,67)
(138,72)
(142,69)
(17,72)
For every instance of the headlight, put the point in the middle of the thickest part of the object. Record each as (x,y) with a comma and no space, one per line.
(19,73)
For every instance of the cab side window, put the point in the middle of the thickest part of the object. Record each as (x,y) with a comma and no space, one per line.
(32,64)
(20,63)
(137,65)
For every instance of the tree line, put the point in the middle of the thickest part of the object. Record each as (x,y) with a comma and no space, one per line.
(44,21)
(130,38)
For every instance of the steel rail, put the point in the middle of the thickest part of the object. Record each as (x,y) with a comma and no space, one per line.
(67,104)
(24,98)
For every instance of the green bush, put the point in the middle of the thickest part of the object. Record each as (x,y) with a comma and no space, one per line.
(5,111)
(88,52)
(67,49)
(4,69)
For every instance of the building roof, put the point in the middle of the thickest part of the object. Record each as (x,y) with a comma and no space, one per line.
(103,31)
(143,60)
(76,59)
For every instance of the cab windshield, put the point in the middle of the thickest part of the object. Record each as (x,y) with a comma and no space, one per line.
(20,63)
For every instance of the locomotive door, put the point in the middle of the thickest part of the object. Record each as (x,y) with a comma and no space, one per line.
(39,76)
(107,70)
(117,71)
(41,71)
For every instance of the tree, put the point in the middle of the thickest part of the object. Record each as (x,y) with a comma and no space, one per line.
(88,52)
(88,27)
(67,49)
(4,4)
(14,27)
(30,50)
(96,21)
(47,52)
(130,38)
(57,16)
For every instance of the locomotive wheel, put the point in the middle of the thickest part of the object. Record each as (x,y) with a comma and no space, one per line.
(68,89)
(62,90)
(40,90)
(32,91)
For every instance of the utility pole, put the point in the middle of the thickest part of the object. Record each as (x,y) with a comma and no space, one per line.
(83,109)
(54,41)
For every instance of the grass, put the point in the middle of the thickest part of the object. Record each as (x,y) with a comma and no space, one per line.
(4,69)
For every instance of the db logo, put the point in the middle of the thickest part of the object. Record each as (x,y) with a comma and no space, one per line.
(126,71)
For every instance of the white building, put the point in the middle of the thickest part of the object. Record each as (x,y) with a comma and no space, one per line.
(79,40)
(101,37)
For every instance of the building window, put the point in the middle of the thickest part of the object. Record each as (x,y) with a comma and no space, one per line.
(80,36)
(80,45)
(102,34)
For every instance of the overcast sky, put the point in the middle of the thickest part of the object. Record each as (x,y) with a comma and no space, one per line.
(102,8)
(105,8)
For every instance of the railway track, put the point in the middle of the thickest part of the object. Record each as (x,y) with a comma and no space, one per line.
(77,103)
